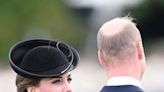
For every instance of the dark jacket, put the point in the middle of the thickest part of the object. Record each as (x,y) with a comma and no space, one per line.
(124,88)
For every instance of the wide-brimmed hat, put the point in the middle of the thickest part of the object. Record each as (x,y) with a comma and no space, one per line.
(38,58)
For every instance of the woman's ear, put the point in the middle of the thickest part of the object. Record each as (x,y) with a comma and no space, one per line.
(31,89)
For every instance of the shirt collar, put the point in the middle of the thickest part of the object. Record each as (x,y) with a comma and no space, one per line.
(123,80)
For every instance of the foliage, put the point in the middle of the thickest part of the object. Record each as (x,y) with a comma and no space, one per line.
(26,19)
(149,18)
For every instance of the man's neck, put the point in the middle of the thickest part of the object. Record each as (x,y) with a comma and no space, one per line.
(123,71)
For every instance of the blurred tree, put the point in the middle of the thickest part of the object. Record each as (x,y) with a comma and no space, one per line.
(149,16)
(21,19)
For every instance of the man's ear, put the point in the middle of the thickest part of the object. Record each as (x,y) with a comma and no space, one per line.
(101,58)
(139,50)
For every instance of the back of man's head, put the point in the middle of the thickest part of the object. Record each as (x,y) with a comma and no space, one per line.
(118,38)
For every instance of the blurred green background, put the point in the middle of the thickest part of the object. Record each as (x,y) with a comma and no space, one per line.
(27,19)
(75,24)
(149,17)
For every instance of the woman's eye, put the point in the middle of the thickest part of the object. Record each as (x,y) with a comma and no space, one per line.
(56,81)
(69,80)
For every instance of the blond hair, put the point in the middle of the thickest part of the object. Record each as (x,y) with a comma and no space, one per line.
(118,37)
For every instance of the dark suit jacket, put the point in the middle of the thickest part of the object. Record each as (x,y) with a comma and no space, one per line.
(123,88)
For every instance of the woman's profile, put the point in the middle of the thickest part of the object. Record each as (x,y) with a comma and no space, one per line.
(43,65)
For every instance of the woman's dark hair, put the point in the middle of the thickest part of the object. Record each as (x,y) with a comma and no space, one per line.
(23,83)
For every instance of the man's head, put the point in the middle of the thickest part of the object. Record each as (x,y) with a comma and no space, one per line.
(120,44)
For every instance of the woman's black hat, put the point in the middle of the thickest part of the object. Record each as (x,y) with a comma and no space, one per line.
(38,58)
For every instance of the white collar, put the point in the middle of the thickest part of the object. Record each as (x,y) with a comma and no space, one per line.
(123,80)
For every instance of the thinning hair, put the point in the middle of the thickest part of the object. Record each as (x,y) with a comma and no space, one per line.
(118,37)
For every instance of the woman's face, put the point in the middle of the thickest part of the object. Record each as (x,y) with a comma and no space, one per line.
(56,84)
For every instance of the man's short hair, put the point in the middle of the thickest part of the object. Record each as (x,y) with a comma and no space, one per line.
(118,37)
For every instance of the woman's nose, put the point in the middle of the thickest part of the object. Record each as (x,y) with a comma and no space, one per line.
(68,87)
